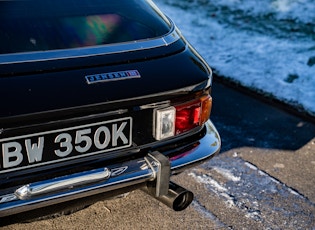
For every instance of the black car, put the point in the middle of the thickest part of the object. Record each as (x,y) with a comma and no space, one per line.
(98,98)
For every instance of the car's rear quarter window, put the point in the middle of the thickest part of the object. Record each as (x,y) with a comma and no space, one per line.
(33,25)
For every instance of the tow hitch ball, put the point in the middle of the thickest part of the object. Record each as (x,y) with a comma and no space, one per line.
(161,188)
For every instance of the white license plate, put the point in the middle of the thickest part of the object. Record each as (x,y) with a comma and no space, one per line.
(49,147)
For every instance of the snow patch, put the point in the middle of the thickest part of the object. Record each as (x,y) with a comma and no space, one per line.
(227,174)
(204,179)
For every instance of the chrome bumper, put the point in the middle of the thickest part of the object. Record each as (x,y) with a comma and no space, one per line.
(144,170)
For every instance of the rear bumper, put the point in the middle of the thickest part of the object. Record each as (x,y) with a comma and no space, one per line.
(111,178)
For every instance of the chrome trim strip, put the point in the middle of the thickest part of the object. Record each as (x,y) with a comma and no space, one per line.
(65,182)
(61,54)
(126,174)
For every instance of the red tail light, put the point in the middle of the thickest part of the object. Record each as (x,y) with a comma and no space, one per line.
(181,118)
(192,114)
(187,117)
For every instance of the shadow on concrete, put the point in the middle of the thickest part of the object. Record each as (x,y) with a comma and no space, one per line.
(244,120)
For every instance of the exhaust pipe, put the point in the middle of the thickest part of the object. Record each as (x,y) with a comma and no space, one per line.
(177,197)
(161,188)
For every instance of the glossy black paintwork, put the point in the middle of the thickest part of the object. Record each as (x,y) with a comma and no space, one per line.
(58,87)
(49,94)
(53,99)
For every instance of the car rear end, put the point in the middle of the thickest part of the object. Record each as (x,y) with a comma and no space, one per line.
(98,98)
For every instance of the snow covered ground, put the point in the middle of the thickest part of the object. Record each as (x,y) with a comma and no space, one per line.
(266,45)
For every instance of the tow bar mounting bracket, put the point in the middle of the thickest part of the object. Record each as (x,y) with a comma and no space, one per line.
(160,164)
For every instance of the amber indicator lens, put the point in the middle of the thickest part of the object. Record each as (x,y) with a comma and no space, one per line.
(206,106)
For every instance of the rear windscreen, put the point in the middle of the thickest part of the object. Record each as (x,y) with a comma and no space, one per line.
(41,25)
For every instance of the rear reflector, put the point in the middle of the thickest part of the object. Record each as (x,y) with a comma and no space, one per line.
(171,120)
